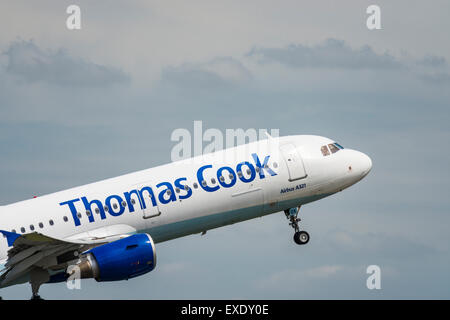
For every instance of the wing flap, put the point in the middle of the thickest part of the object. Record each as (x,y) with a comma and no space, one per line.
(23,254)
(20,268)
(34,249)
(28,250)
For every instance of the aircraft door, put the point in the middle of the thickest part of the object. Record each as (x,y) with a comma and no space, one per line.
(294,162)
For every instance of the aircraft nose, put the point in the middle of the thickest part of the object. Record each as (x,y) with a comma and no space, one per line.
(357,164)
(365,164)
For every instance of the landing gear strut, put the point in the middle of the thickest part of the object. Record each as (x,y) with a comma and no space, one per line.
(38,277)
(300,237)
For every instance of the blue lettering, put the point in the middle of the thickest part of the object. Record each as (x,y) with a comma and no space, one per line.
(182,187)
(88,206)
(222,183)
(150,194)
(111,207)
(263,166)
(201,179)
(168,191)
(252,171)
(245,171)
(130,204)
(73,210)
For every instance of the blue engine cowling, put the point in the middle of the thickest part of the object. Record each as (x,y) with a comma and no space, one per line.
(120,260)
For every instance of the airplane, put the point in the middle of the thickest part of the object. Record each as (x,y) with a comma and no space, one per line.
(108,230)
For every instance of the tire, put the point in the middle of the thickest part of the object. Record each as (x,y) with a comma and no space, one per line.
(301,237)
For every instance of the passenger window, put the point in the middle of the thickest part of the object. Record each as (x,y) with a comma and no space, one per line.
(51,222)
(333,148)
(22,230)
(41,225)
(325,151)
(195,185)
(31,227)
(65,219)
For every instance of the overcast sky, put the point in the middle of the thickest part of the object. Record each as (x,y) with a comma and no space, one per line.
(85,105)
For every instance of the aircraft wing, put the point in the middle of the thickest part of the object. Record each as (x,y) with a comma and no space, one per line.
(36,250)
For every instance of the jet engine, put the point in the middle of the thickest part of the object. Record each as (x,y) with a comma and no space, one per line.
(119,260)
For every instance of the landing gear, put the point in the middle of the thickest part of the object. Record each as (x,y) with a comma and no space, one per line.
(38,277)
(300,237)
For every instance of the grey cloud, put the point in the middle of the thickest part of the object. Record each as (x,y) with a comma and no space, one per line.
(436,78)
(332,53)
(432,61)
(433,70)
(337,54)
(30,63)
(217,73)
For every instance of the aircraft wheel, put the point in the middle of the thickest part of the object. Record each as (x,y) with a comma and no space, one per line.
(301,237)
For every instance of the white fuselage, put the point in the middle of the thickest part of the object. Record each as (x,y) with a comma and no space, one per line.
(241,189)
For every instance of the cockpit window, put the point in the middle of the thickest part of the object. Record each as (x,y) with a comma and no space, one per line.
(325,151)
(333,148)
